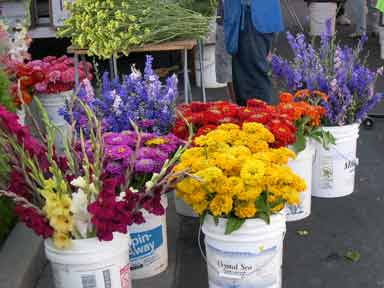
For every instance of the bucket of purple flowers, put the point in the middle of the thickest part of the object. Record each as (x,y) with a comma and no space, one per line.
(340,73)
(139,98)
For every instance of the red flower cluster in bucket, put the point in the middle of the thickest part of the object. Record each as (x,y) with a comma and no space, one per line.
(205,117)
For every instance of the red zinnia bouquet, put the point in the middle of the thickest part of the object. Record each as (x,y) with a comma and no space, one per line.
(205,117)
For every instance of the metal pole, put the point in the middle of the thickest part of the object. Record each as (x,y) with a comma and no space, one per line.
(114,59)
(186,80)
(77,78)
(201,60)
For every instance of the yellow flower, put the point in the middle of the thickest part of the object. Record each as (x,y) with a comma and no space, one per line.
(221,205)
(252,172)
(245,209)
(250,193)
(240,152)
(61,223)
(188,186)
(200,207)
(227,161)
(192,153)
(61,240)
(211,177)
(156,141)
(196,197)
(228,127)
(259,130)
(237,185)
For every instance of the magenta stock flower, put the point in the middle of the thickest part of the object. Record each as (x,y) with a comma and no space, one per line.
(145,166)
(118,152)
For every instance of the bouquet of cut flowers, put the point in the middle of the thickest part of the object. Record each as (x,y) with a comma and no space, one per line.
(307,117)
(56,75)
(142,99)
(339,72)
(98,187)
(235,174)
(205,117)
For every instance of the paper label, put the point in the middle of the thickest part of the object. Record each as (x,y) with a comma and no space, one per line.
(244,269)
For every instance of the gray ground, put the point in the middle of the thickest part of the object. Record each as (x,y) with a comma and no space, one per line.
(335,227)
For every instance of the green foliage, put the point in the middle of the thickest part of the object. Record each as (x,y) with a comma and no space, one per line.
(304,131)
(111,27)
(5,97)
(204,7)
(233,224)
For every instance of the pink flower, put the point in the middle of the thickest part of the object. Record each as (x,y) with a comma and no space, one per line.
(54,76)
(68,75)
(41,87)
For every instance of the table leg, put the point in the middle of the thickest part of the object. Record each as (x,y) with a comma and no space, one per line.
(77,77)
(201,60)
(186,79)
(82,57)
(114,59)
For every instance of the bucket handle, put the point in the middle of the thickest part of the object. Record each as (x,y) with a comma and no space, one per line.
(234,277)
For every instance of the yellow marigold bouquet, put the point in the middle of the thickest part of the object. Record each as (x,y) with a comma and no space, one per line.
(233,173)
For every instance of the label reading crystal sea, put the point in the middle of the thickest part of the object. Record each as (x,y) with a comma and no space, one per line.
(145,243)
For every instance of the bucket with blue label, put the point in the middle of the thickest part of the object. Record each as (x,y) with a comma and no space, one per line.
(149,250)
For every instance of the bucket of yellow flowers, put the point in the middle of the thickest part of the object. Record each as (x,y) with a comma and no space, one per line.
(239,185)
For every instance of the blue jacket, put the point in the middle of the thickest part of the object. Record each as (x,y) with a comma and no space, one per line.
(266,16)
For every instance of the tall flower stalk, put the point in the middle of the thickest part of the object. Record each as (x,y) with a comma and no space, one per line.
(339,71)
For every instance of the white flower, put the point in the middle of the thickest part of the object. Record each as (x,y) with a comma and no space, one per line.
(79,182)
(136,74)
(121,196)
(80,213)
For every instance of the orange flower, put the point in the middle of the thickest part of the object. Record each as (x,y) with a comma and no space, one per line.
(302,93)
(286,97)
(322,95)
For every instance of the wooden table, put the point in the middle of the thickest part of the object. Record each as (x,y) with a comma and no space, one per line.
(180,45)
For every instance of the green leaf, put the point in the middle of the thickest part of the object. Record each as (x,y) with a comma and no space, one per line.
(216,219)
(265,216)
(300,143)
(202,217)
(233,224)
(352,256)
(302,232)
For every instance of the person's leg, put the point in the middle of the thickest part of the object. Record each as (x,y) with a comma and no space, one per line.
(359,8)
(250,65)
(231,92)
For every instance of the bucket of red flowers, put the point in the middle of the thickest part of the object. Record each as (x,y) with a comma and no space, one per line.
(84,202)
(56,81)
(292,122)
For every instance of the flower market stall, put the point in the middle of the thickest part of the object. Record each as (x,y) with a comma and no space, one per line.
(94,181)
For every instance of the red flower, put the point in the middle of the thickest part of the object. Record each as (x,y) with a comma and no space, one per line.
(259,116)
(205,130)
(35,221)
(181,130)
(245,112)
(283,133)
(212,116)
(256,103)
(198,107)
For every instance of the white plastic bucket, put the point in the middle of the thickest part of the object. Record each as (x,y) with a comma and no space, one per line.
(302,166)
(91,263)
(334,170)
(249,257)
(149,249)
(319,14)
(52,103)
(183,208)
(209,66)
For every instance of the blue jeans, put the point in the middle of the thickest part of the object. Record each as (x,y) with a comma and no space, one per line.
(250,67)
